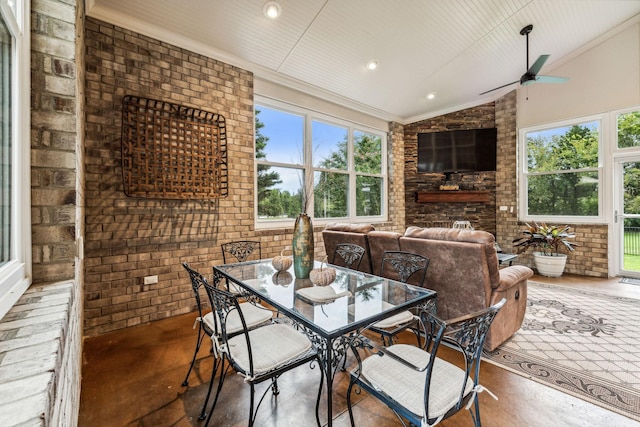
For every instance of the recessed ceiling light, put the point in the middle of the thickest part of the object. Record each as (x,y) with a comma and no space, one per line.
(372,65)
(431,95)
(271,9)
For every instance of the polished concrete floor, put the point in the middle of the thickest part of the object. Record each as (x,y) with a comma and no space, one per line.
(133,377)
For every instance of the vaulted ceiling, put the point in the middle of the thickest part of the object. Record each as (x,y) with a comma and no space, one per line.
(455,48)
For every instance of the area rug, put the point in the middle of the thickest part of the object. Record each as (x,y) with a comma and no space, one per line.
(581,342)
(630,281)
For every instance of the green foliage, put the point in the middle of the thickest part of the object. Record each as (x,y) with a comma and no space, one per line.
(546,238)
(272,202)
(629,130)
(331,188)
(561,183)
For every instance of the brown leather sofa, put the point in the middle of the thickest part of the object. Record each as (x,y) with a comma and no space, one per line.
(336,233)
(463,271)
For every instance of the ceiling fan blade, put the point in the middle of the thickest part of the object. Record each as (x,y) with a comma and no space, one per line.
(500,87)
(537,66)
(551,79)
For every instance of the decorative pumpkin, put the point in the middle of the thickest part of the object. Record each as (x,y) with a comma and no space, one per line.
(282,278)
(322,276)
(281,262)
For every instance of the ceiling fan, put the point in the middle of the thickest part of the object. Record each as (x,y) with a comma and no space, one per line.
(531,76)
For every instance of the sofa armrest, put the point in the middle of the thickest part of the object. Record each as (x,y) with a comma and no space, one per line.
(510,276)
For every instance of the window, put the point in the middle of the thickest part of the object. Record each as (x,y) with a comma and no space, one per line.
(306,162)
(628,129)
(14,145)
(562,171)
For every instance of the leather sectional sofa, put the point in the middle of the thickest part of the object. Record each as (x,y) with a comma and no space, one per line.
(463,270)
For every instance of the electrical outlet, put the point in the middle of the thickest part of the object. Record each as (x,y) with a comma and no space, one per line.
(150,280)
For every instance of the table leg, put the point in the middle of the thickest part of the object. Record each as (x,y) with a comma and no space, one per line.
(329,372)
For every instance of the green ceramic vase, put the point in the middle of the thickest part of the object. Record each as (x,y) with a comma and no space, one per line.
(303,246)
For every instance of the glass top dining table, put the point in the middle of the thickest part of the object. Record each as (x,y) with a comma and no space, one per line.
(353,301)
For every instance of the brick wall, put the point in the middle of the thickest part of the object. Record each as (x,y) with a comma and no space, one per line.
(481,215)
(41,336)
(130,238)
(591,256)
(55,136)
(396,159)
(507,227)
(40,355)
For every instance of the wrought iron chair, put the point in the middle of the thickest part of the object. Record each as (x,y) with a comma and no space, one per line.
(258,354)
(241,250)
(399,265)
(209,325)
(418,385)
(348,255)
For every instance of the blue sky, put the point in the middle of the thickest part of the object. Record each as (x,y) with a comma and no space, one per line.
(286,141)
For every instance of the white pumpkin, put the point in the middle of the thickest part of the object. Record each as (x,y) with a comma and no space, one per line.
(282,278)
(281,262)
(322,276)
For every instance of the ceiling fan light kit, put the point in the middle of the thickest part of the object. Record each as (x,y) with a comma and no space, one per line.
(531,75)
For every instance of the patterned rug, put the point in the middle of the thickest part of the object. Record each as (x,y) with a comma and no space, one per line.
(583,343)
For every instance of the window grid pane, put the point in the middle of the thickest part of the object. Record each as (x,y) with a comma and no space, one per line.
(629,130)
(330,146)
(562,170)
(331,195)
(5,143)
(343,168)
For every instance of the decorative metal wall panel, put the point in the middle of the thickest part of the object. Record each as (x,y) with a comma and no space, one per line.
(172,152)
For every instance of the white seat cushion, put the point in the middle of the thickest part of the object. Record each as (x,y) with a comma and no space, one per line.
(406,386)
(271,346)
(395,320)
(321,294)
(253,316)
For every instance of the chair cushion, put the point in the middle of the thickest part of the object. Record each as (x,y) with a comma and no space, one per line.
(271,346)
(395,320)
(253,316)
(406,386)
(321,294)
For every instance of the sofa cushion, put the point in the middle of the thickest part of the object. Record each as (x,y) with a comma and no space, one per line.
(450,234)
(349,228)
(479,237)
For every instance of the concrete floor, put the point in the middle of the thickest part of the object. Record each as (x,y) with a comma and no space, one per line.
(133,377)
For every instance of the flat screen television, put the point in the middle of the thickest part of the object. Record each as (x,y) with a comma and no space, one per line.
(457,150)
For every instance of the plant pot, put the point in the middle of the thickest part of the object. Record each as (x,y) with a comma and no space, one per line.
(550,265)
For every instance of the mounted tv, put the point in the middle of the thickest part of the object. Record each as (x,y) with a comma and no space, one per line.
(457,150)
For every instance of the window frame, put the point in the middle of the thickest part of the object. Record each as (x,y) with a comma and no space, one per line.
(523,200)
(309,116)
(15,275)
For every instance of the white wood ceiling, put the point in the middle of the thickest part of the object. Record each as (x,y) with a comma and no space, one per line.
(457,48)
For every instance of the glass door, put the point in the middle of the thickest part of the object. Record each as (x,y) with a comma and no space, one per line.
(627,216)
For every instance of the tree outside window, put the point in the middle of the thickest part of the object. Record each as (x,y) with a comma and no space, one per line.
(563,170)
(345,166)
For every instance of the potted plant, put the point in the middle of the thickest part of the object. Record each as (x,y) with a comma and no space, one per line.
(547,240)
